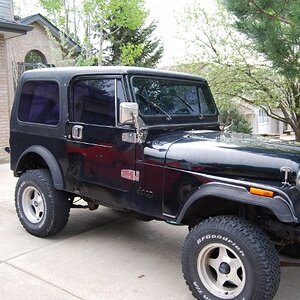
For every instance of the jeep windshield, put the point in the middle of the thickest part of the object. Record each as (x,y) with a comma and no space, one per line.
(172,99)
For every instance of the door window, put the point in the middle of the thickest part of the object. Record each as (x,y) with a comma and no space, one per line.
(94,101)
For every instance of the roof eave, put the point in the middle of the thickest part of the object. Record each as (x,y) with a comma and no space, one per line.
(17,28)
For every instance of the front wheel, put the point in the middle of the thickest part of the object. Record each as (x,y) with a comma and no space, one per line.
(42,210)
(227,257)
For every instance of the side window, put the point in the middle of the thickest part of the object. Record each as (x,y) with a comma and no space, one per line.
(39,102)
(120,95)
(94,101)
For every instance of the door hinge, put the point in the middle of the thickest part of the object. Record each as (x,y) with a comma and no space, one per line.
(129,137)
(130,174)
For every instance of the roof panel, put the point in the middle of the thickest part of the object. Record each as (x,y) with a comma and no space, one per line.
(67,73)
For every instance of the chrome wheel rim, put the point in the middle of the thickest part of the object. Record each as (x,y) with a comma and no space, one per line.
(221,271)
(33,205)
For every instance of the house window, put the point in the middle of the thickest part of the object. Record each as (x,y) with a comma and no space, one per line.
(34,59)
(263,117)
(39,102)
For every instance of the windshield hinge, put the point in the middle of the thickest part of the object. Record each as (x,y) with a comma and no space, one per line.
(129,137)
(134,138)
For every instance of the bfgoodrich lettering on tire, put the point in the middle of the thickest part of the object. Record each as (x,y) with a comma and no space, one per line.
(227,257)
(42,210)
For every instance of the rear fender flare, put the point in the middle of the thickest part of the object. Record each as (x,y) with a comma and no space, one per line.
(51,162)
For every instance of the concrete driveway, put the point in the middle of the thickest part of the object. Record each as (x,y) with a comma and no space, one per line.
(99,255)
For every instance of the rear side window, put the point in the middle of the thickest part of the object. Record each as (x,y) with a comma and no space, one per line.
(39,102)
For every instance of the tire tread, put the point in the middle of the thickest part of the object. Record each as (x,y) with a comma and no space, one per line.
(255,240)
(57,201)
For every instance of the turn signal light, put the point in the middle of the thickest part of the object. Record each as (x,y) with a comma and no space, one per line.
(261,192)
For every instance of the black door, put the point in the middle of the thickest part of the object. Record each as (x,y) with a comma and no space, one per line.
(97,150)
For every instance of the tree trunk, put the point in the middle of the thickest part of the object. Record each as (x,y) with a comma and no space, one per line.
(297,133)
(66,11)
(75,20)
(88,37)
(100,54)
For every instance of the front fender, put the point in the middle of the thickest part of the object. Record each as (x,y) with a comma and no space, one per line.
(279,205)
(50,160)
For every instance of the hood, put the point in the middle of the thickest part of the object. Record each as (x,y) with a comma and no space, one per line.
(224,154)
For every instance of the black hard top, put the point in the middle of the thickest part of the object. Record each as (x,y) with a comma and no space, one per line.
(67,73)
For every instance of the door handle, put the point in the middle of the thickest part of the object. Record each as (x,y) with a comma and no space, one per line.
(77,132)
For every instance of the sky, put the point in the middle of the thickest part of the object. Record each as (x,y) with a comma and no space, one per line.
(164,11)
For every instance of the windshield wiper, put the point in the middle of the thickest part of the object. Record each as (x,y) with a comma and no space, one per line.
(189,106)
(169,118)
(184,102)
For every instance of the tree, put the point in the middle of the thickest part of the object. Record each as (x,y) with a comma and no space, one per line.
(135,47)
(129,14)
(230,114)
(273,27)
(62,54)
(233,121)
(97,18)
(63,14)
(58,12)
(234,67)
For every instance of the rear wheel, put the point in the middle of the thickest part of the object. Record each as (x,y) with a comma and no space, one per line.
(227,257)
(42,210)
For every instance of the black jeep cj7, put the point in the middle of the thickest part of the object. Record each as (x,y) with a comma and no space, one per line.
(149,142)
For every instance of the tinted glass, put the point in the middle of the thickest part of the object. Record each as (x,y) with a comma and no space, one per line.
(94,101)
(157,96)
(120,95)
(39,102)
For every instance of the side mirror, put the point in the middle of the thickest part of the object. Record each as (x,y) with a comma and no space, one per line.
(128,112)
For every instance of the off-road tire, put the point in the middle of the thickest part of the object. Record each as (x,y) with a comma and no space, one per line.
(42,210)
(249,259)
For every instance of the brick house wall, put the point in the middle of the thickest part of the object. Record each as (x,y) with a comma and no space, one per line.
(37,39)
(29,35)
(5,109)
(12,52)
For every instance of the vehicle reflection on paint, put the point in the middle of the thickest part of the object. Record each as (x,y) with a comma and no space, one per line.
(100,163)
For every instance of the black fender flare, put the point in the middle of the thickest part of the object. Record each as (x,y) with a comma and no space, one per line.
(279,204)
(50,160)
